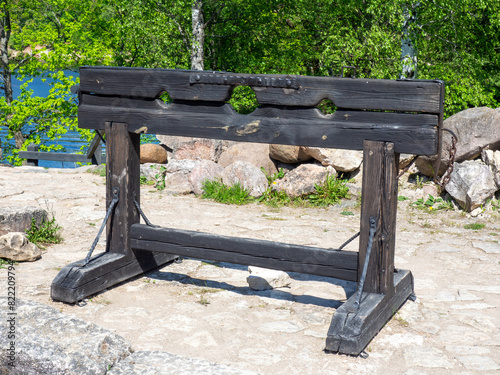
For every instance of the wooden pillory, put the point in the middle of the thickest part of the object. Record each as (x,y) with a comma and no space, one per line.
(381,117)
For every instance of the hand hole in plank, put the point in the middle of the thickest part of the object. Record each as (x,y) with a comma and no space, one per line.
(243,100)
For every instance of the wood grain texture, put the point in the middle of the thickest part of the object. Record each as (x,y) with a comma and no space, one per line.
(122,171)
(75,282)
(379,192)
(350,332)
(275,255)
(410,133)
(373,94)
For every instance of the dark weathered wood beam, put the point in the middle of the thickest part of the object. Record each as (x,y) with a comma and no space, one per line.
(269,254)
(361,93)
(410,133)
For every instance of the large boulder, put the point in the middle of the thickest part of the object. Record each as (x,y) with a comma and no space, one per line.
(14,219)
(302,180)
(341,160)
(205,170)
(153,153)
(492,159)
(253,153)
(48,342)
(247,175)
(471,184)
(476,129)
(288,154)
(16,246)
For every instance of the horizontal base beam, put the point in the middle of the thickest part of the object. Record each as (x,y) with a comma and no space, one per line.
(76,281)
(350,332)
(268,254)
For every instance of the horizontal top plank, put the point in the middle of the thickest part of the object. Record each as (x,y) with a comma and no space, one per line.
(346,93)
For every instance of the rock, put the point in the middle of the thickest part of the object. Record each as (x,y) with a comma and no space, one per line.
(16,246)
(247,175)
(253,153)
(404,160)
(153,153)
(140,363)
(171,141)
(205,170)
(471,184)
(492,159)
(341,160)
(288,154)
(14,219)
(196,149)
(430,190)
(182,165)
(48,342)
(264,279)
(476,129)
(178,183)
(301,180)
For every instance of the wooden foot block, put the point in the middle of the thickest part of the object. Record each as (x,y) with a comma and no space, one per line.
(350,332)
(76,282)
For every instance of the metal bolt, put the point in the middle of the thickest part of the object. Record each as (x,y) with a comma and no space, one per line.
(288,82)
(197,77)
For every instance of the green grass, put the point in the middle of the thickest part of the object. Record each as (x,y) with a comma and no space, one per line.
(44,234)
(433,204)
(474,226)
(331,192)
(222,193)
(4,263)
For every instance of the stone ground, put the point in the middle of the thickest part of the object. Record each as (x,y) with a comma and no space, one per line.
(206,310)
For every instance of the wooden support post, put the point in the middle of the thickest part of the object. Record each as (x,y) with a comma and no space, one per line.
(32,162)
(383,293)
(78,280)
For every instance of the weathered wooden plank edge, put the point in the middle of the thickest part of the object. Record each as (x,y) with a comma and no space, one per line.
(74,282)
(316,133)
(246,246)
(244,259)
(350,333)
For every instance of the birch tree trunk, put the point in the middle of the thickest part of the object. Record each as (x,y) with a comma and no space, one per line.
(4,52)
(197,54)
(408,47)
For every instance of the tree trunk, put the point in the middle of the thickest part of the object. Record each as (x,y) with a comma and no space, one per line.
(6,74)
(408,47)
(4,52)
(197,54)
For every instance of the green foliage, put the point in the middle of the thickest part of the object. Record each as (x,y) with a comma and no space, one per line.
(243,100)
(329,193)
(432,203)
(456,42)
(160,177)
(45,233)
(222,193)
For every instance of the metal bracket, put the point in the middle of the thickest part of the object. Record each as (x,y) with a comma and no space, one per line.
(114,201)
(361,284)
(286,82)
